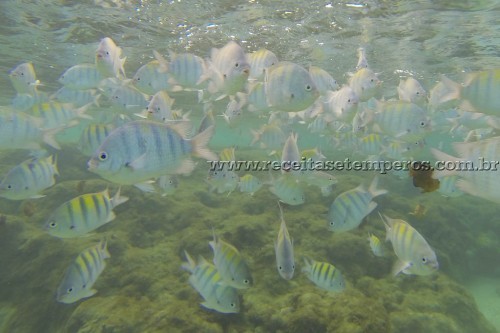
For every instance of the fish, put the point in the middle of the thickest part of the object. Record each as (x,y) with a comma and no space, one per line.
(289,87)
(128,99)
(107,59)
(24,102)
(149,79)
(376,245)
(160,108)
(479,92)
(223,179)
(230,264)
(57,115)
(167,185)
(21,131)
(322,79)
(259,61)
(410,90)
(76,97)
(340,104)
(207,281)
(81,77)
(448,186)
(422,176)
(83,214)
(288,190)
(93,136)
(324,275)
(256,98)
(27,179)
(249,184)
(350,207)
(283,248)
(415,256)
(82,273)
(362,62)
(269,136)
(228,70)
(23,79)
(186,71)
(290,157)
(364,83)
(142,150)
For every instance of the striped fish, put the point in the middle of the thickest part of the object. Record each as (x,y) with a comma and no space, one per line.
(351,207)
(29,178)
(92,137)
(324,275)
(23,78)
(81,275)
(149,80)
(142,150)
(290,156)
(160,107)
(370,144)
(83,214)
(208,283)
(21,131)
(81,77)
(289,87)
(376,245)
(283,248)
(322,79)
(249,184)
(107,59)
(288,190)
(185,70)
(76,97)
(259,61)
(127,98)
(415,256)
(56,115)
(230,264)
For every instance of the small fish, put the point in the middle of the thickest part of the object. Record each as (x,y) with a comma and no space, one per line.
(56,115)
(249,184)
(376,245)
(160,107)
(24,102)
(340,104)
(23,79)
(411,91)
(81,77)
(83,214)
(415,256)
(371,144)
(289,87)
(324,275)
(283,248)
(350,208)
(142,150)
(448,186)
(29,178)
(149,79)
(21,131)
(322,79)
(81,275)
(128,99)
(270,136)
(186,70)
(206,280)
(364,83)
(222,181)
(288,190)
(230,264)
(167,185)
(362,62)
(419,211)
(256,98)
(259,61)
(76,97)
(108,61)
(290,156)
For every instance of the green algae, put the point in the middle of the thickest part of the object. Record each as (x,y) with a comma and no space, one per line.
(144,289)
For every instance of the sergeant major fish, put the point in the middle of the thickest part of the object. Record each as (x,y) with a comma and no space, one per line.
(81,275)
(324,275)
(83,214)
(283,248)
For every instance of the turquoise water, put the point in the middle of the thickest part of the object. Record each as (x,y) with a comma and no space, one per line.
(143,287)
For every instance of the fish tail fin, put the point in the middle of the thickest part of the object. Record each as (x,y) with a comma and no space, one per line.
(53,164)
(49,138)
(200,142)
(190,264)
(308,262)
(117,199)
(373,188)
(163,62)
(103,248)
(452,90)
(387,225)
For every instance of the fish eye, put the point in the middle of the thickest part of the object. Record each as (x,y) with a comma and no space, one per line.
(103,156)
(293,266)
(292,95)
(225,76)
(138,79)
(424,260)
(233,305)
(9,186)
(418,92)
(308,87)
(52,224)
(332,223)
(280,268)
(70,290)
(237,65)
(107,52)
(246,281)
(422,123)
(349,100)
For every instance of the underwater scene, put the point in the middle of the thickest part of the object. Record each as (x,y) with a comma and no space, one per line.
(250,166)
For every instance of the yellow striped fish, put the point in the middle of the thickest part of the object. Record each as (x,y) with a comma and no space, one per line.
(81,77)
(376,245)
(83,214)
(283,248)
(415,256)
(208,283)
(92,137)
(259,61)
(324,275)
(81,275)
(29,178)
(231,264)
(56,115)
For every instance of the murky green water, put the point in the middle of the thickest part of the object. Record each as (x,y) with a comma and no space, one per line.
(143,288)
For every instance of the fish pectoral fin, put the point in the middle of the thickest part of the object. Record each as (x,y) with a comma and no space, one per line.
(88,293)
(401,267)
(37,196)
(138,163)
(146,186)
